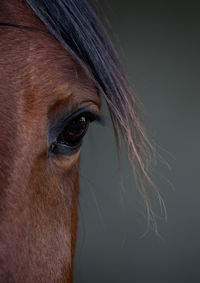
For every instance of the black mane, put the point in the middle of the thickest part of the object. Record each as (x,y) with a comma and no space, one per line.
(75,25)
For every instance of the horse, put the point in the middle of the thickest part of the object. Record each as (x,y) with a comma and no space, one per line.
(57,63)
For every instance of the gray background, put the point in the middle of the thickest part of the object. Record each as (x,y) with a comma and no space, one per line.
(161,44)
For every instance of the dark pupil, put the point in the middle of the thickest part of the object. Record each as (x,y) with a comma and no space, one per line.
(74,131)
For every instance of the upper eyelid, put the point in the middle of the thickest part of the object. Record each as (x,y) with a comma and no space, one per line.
(97,117)
(65,114)
(58,125)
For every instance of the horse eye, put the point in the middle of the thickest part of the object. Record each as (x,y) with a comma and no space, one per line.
(74,132)
(70,138)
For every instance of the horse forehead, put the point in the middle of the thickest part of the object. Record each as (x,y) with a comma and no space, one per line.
(47,53)
(47,63)
(53,69)
(44,49)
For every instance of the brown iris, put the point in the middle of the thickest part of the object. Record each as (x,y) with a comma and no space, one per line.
(74,132)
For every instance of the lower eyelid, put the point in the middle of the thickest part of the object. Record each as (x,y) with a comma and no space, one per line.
(61,149)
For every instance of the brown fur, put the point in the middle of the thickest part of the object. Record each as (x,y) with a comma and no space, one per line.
(38,194)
